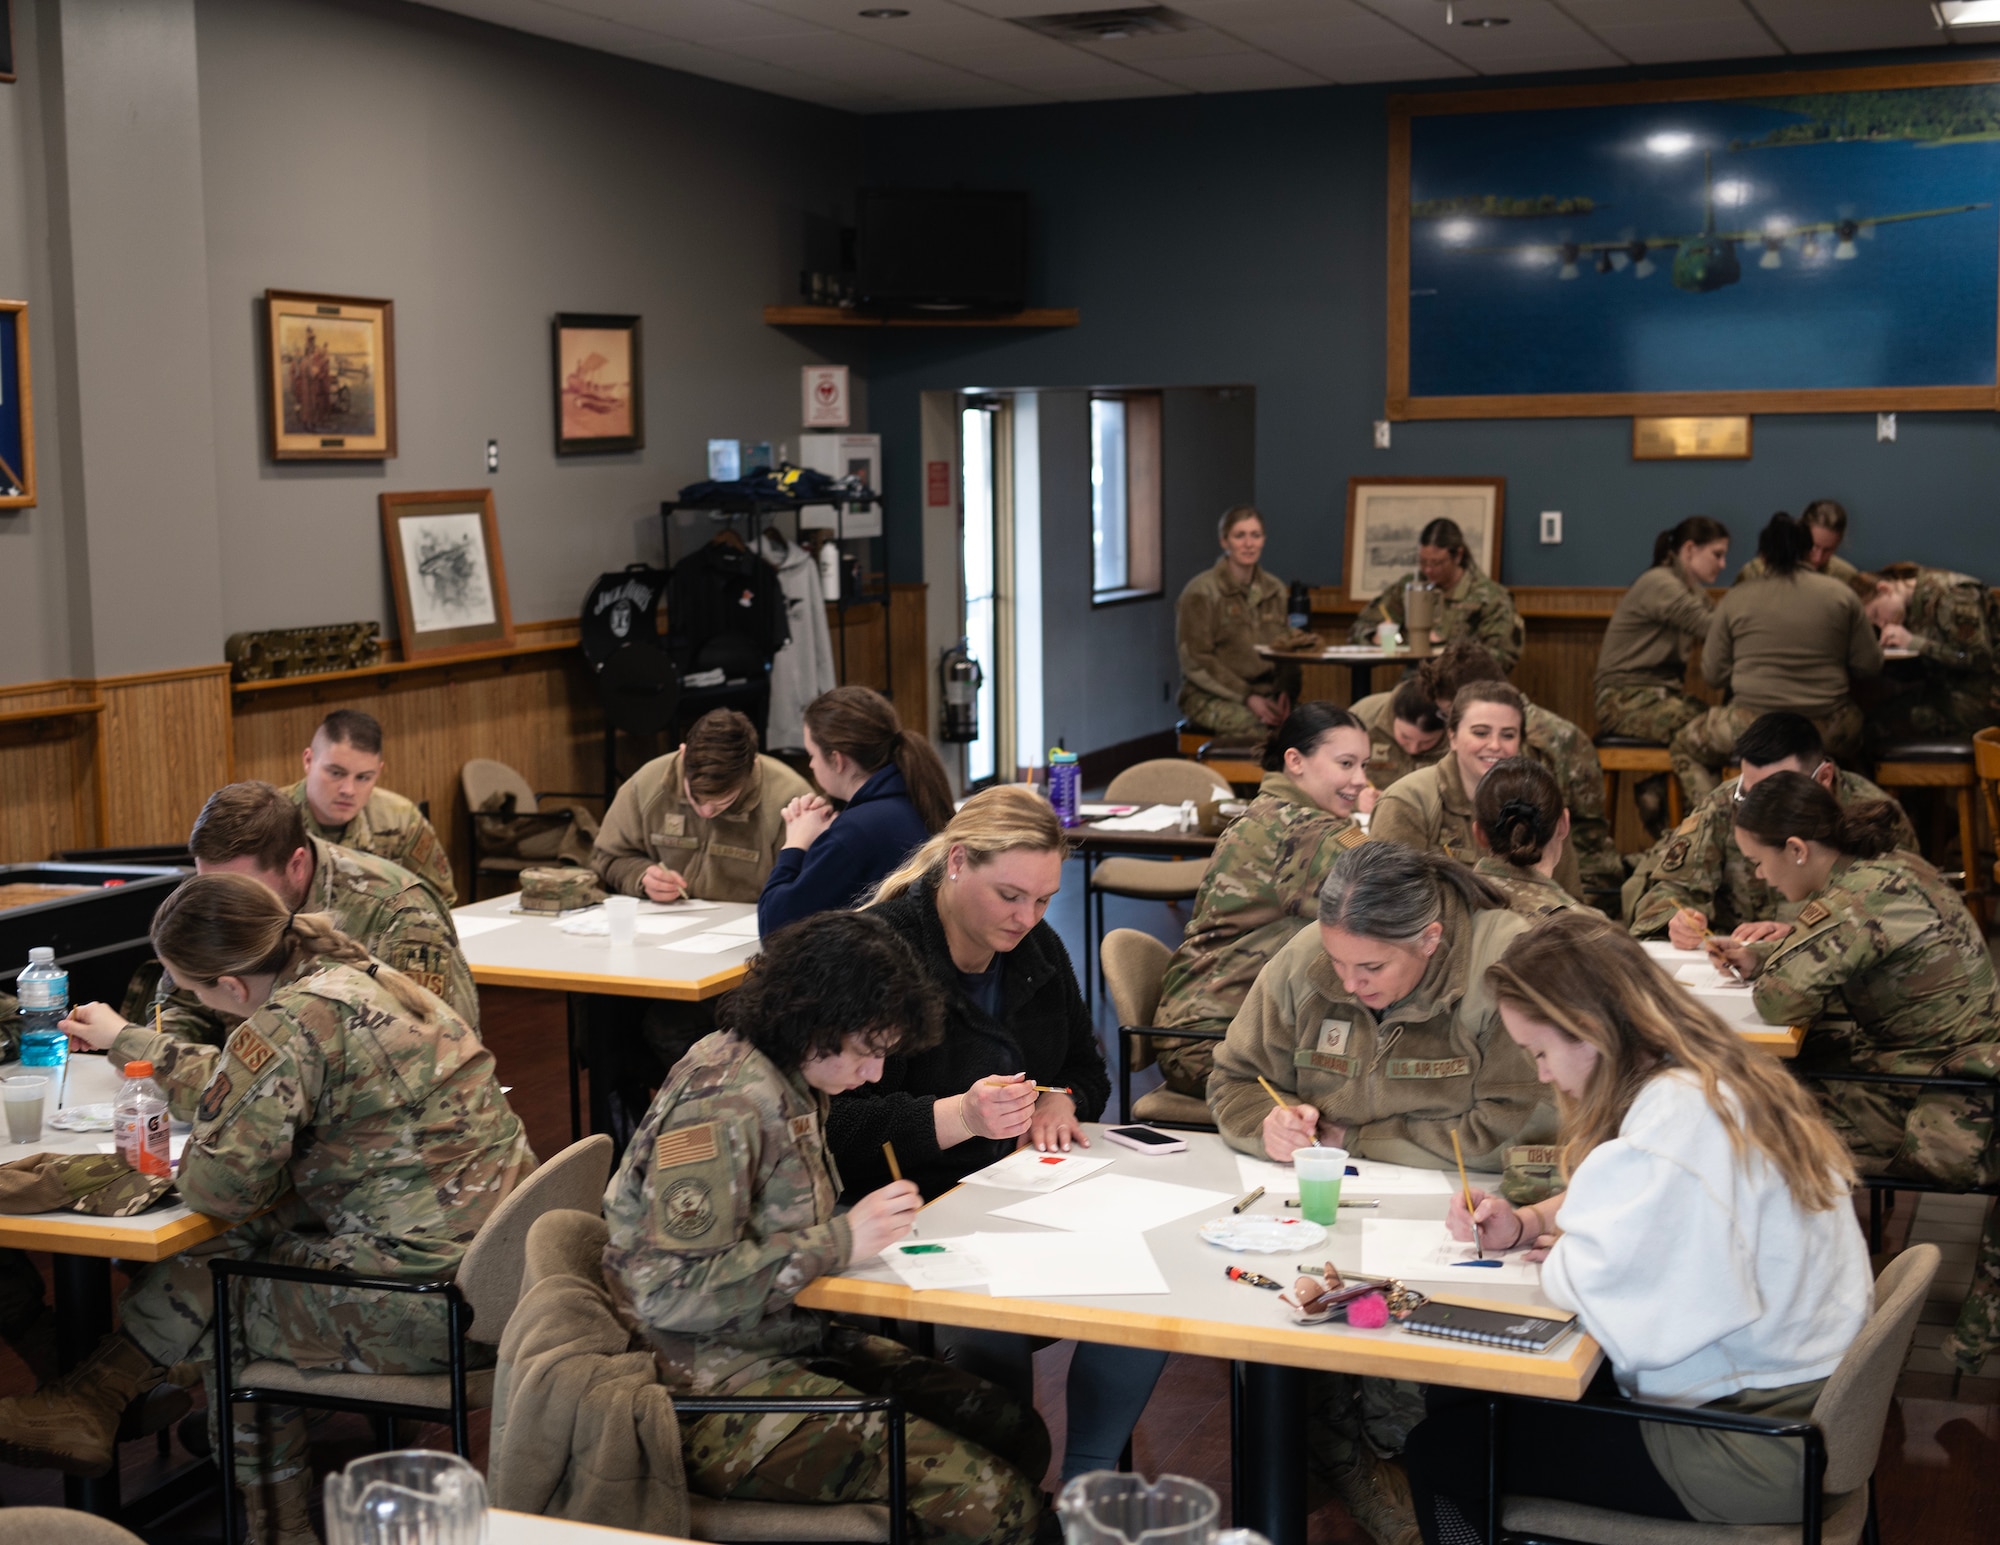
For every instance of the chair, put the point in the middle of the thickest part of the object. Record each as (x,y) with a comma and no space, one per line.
(482,778)
(1842,1439)
(1619,754)
(1986,763)
(40,1525)
(1163,781)
(478,1303)
(572,1244)
(1134,965)
(1943,763)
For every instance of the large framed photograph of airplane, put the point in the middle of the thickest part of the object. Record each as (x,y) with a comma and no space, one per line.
(1811,242)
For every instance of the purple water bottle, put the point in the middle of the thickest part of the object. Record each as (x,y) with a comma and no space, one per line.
(1063,778)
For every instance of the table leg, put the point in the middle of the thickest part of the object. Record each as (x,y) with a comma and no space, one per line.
(572,1013)
(1360,681)
(83,1316)
(1267,1460)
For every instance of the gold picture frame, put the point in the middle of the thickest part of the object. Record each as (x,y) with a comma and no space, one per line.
(17,409)
(446,571)
(1385,514)
(330,367)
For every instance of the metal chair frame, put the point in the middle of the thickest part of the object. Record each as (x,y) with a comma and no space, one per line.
(1128,1035)
(477,860)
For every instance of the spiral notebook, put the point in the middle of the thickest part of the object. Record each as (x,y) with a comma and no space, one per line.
(1527,1332)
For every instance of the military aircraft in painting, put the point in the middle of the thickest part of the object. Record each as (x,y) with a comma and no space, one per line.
(1708,259)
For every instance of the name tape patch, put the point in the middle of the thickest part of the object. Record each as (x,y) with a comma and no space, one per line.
(1324,1061)
(802,1127)
(1429,1067)
(685,1145)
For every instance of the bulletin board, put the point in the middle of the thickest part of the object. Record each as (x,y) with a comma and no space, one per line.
(17,410)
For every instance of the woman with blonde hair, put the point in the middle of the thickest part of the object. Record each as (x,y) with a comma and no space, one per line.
(353,1122)
(970,903)
(1705,1240)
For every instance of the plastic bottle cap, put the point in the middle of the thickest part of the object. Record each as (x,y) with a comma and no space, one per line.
(138,1070)
(41,955)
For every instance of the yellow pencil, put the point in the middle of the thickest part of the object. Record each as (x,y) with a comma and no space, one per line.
(889,1153)
(1277,1098)
(1459,1154)
(1038,1088)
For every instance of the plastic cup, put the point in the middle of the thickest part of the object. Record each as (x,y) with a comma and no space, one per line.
(1319,1171)
(22,1099)
(621,916)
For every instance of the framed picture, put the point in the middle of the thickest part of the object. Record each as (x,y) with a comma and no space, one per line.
(17,409)
(1385,515)
(445,568)
(600,399)
(331,360)
(6,42)
(1814,242)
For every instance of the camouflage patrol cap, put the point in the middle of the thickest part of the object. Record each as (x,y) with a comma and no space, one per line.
(559,889)
(101,1184)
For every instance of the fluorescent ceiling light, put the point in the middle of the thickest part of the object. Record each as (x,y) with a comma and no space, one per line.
(1967,13)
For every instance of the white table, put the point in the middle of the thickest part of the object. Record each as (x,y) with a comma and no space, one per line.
(1360,660)
(1206,1314)
(1735,1006)
(505,947)
(505,1528)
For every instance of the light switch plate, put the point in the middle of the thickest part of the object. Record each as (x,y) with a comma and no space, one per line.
(1381,434)
(492,455)
(1885,428)
(1552,526)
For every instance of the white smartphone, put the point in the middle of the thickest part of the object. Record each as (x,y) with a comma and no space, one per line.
(1145,1140)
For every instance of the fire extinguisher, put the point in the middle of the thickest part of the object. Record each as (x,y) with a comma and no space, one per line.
(960,676)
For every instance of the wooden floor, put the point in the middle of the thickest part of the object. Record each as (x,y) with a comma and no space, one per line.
(1938,1480)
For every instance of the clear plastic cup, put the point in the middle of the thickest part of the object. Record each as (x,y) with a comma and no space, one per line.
(621,917)
(23,1099)
(1107,1508)
(1319,1171)
(409,1497)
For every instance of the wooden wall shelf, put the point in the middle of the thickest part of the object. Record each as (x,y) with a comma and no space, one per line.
(53,711)
(402,667)
(838,316)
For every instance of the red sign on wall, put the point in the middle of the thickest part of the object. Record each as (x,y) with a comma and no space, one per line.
(937,484)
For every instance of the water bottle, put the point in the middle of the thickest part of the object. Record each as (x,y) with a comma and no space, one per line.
(139,1122)
(44,992)
(1063,778)
(1298,609)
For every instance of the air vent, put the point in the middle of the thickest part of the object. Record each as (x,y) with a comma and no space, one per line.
(1136,21)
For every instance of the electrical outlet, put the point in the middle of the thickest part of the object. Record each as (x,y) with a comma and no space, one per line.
(1552,527)
(1885,428)
(1381,434)
(492,455)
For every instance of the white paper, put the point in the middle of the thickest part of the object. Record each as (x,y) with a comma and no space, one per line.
(595,925)
(473,927)
(710,943)
(1113,1204)
(1420,1250)
(1278,1180)
(1025,1169)
(1095,812)
(1154,818)
(742,927)
(1705,978)
(1671,958)
(1369,1178)
(685,904)
(936,1263)
(1067,1265)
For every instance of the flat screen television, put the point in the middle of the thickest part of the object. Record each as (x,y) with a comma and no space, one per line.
(940,251)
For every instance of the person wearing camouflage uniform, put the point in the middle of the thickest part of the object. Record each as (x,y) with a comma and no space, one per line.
(725,1207)
(1890,974)
(1825,522)
(1470,606)
(342,803)
(1262,886)
(1222,616)
(1529,892)
(1953,623)
(352,1122)
(1405,731)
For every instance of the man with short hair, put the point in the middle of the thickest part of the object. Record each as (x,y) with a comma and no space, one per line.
(1695,879)
(345,804)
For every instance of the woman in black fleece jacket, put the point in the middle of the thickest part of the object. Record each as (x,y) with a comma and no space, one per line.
(970,902)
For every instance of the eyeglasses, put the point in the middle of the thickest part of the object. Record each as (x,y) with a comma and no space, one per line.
(1742,793)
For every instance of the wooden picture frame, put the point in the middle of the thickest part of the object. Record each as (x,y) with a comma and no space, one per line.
(599,384)
(1385,514)
(7,68)
(330,376)
(1587,176)
(17,409)
(446,571)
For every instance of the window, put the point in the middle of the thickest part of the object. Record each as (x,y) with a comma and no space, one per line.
(1125,496)
(982,451)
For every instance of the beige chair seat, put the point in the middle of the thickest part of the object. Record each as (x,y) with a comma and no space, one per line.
(1158,1105)
(728,1522)
(41,1525)
(1149,878)
(410,1389)
(1840,1524)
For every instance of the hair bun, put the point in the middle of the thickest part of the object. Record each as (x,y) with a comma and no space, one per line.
(1520,810)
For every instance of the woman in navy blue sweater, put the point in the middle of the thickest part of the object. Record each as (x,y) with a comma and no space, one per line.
(895,793)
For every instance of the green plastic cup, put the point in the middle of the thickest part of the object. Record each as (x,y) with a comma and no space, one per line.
(1319,1171)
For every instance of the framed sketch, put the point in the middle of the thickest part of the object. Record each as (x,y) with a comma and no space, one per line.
(1385,515)
(600,402)
(1820,241)
(17,409)
(445,568)
(331,367)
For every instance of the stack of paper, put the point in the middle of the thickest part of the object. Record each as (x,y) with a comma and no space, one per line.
(1113,1204)
(1027,1169)
(1420,1250)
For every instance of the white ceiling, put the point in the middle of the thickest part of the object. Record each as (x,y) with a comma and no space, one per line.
(965,53)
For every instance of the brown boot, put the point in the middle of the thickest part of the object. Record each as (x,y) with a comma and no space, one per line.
(1377,1493)
(279,1512)
(72,1424)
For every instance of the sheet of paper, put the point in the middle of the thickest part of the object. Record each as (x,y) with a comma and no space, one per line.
(1026,1170)
(710,943)
(1277,1179)
(1154,818)
(1096,812)
(1368,1178)
(685,904)
(936,1263)
(1670,958)
(595,925)
(1068,1265)
(1705,978)
(1419,1250)
(473,927)
(744,927)
(1114,1204)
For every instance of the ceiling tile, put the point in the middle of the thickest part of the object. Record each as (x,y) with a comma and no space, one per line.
(1235,72)
(693,21)
(1831,26)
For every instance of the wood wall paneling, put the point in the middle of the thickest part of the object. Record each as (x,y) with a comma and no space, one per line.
(909,676)
(166,749)
(50,768)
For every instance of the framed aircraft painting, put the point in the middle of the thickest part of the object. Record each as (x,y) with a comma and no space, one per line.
(1819,241)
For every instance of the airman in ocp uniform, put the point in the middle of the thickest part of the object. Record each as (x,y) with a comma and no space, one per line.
(1470,605)
(1221,618)
(342,803)
(1953,623)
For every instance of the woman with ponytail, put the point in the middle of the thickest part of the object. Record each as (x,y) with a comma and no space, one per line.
(1519,819)
(1642,668)
(892,792)
(353,1122)
(1889,973)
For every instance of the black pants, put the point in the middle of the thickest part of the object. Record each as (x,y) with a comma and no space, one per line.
(1566,1453)
(630,1045)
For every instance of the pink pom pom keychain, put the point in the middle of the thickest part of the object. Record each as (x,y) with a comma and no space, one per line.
(1370,1312)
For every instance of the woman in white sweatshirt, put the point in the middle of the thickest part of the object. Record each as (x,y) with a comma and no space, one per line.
(1705,1240)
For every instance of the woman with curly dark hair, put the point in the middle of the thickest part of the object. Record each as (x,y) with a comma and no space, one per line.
(725,1207)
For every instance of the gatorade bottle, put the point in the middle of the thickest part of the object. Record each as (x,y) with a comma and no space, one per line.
(139,1122)
(1063,779)
(44,992)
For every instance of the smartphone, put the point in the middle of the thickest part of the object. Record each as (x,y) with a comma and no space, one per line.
(1145,1139)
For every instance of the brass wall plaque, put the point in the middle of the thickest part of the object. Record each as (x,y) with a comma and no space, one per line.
(1677,439)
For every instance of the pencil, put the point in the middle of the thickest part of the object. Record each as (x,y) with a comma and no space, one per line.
(1277,1098)
(1247,1200)
(889,1153)
(1459,1154)
(1039,1088)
